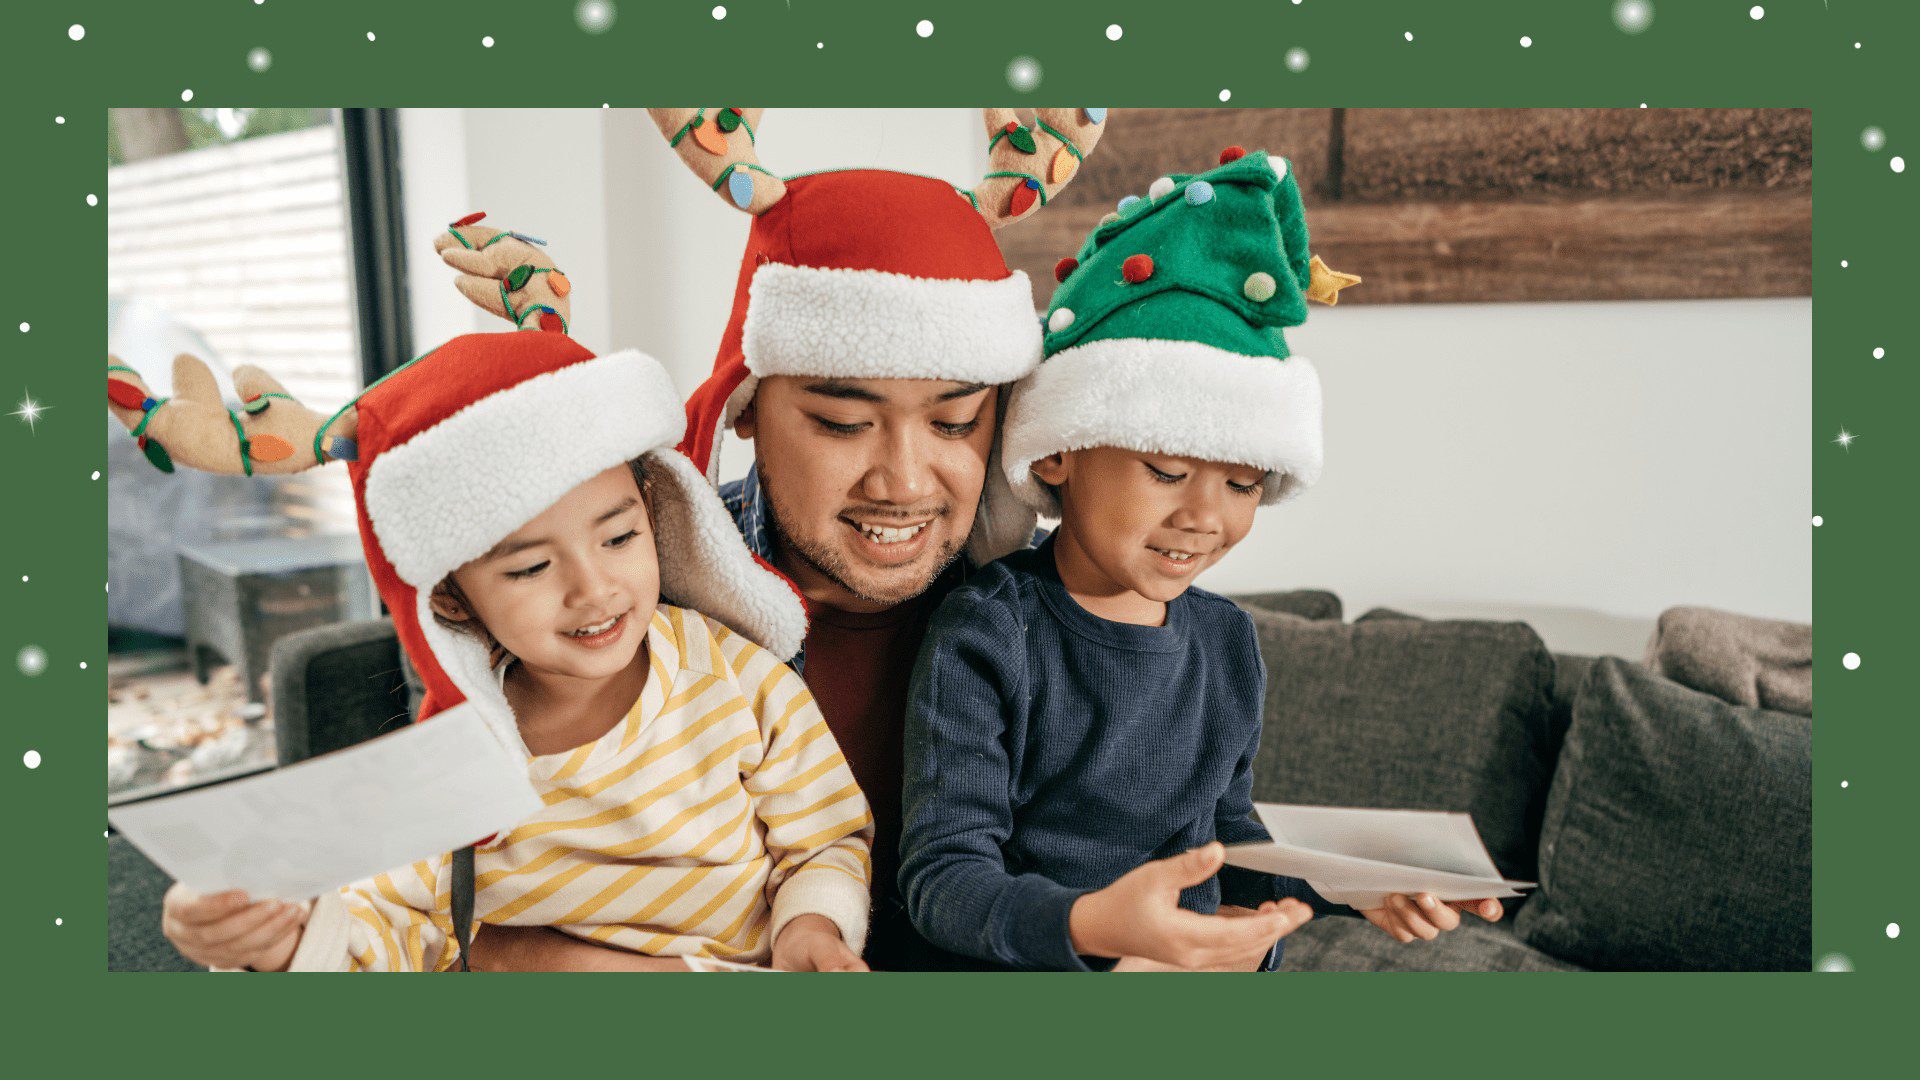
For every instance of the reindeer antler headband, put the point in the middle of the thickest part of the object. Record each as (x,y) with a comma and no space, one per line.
(1026,165)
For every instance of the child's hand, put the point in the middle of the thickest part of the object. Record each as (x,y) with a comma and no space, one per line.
(1139,917)
(227,930)
(1407,917)
(813,943)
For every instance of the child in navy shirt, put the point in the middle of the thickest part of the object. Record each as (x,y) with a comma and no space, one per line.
(1082,721)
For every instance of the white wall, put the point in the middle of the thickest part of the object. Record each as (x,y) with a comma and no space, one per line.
(1582,466)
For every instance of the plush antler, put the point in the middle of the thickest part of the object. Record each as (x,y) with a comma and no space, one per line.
(1026,166)
(507,273)
(717,144)
(273,434)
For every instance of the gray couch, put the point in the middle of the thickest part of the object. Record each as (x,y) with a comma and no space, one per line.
(1667,829)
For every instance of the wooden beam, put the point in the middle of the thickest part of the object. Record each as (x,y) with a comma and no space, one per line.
(1619,247)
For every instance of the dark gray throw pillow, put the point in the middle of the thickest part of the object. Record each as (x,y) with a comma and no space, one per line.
(1678,832)
(1411,714)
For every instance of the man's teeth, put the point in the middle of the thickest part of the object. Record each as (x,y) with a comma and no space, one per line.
(882,534)
(597,628)
(1176,556)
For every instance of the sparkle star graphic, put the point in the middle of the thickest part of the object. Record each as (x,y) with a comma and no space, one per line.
(29,410)
(1845,439)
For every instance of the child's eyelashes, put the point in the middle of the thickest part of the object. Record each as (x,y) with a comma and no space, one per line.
(1246,489)
(1162,475)
(956,430)
(623,539)
(531,571)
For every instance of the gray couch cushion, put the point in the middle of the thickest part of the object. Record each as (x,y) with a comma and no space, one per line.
(1347,944)
(1411,714)
(1306,603)
(1678,832)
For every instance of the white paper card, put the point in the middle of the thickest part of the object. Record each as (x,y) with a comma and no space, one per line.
(297,832)
(1357,857)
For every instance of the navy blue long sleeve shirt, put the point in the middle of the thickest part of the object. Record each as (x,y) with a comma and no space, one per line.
(1049,751)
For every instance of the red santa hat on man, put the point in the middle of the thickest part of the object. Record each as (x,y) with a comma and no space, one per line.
(864,273)
(451,453)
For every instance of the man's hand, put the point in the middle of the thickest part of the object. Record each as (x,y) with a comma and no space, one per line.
(227,930)
(1139,917)
(813,943)
(1407,917)
(507,275)
(540,948)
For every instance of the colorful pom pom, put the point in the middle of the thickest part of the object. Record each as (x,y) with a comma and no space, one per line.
(269,448)
(1259,286)
(1279,166)
(1137,268)
(740,187)
(1160,188)
(1199,192)
(1232,153)
(1024,195)
(126,395)
(1095,116)
(1109,218)
(1064,267)
(1059,320)
(474,218)
(1127,202)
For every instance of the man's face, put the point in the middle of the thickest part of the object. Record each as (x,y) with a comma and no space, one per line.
(873,483)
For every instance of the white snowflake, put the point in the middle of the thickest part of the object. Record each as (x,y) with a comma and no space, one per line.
(595,16)
(1632,16)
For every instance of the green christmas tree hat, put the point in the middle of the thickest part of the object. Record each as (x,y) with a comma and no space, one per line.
(1165,335)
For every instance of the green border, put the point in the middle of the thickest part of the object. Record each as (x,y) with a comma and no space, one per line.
(1464,54)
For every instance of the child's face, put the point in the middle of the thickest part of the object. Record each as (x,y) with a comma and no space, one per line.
(572,591)
(1150,523)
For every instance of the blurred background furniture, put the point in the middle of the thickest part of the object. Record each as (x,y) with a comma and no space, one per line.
(242,596)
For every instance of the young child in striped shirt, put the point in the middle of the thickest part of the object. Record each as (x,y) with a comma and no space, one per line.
(522,516)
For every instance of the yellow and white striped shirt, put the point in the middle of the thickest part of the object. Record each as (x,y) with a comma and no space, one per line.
(718,810)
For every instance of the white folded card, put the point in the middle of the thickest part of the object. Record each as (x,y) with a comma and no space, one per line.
(1357,857)
(297,832)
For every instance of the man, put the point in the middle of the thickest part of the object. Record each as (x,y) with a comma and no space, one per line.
(874,324)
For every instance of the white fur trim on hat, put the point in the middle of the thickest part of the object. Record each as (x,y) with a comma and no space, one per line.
(1182,398)
(444,497)
(831,322)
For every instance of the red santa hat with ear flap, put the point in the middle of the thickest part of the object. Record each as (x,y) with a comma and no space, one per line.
(464,446)
(865,273)
(453,452)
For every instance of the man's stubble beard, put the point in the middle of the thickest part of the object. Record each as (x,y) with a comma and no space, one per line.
(828,563)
